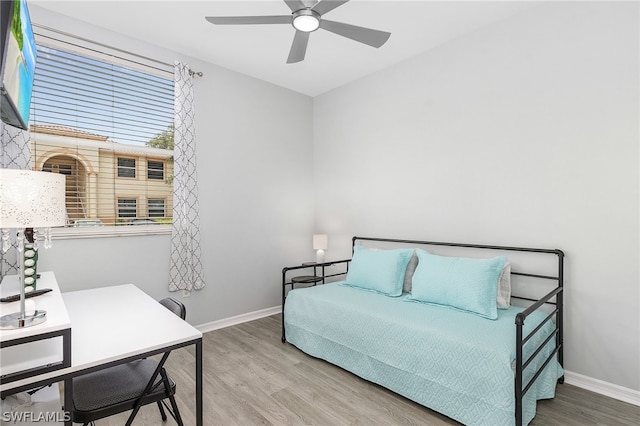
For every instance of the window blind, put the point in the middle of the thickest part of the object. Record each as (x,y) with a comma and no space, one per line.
(108,127)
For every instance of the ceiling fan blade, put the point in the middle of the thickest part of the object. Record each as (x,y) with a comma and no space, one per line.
(249,20)
(295,5)
(298,47)
(327,6)
(368,36)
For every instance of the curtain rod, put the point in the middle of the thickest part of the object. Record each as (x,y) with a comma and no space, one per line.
(54,30)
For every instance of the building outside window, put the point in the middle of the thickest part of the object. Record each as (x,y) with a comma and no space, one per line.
(98,118)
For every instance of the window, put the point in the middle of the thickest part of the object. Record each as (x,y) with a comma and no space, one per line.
(156,207)
(126,167)
(98,115)
(155,170)
(127,208)
(63,169)
(66,169)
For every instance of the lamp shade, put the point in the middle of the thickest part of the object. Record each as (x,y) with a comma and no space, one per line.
(320,242)
(31,199)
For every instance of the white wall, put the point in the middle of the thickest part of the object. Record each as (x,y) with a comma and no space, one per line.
(523,133)
(254,168)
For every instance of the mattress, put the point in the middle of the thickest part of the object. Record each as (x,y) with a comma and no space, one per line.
(453,362)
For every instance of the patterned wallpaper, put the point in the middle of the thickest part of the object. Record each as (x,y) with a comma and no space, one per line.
(15,153)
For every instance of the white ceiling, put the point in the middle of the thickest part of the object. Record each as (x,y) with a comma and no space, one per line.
(261,50)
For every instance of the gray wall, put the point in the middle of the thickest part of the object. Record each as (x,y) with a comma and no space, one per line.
(254,168)
(525,133)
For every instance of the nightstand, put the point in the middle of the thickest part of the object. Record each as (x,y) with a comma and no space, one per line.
(305,279)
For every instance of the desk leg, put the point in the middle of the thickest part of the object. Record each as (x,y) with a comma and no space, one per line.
(199,382)
(68,402)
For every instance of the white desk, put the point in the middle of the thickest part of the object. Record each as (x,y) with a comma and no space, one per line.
(114,325)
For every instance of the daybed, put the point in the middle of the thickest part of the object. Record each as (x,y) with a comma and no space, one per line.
(436,337)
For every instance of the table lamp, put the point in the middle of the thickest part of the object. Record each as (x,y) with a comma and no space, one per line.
(29,199)
(320,244)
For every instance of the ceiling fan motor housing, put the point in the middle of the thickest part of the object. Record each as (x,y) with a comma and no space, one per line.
(306,20)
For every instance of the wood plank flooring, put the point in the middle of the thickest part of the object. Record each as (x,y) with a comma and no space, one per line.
(251,378)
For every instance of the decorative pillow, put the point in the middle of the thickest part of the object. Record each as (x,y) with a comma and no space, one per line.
(504,287)
(466,284)
(378,270)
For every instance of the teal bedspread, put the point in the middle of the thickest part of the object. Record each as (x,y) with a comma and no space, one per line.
(453,362)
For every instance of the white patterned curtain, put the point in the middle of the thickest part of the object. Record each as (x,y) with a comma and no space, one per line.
(15,153)
(186,266)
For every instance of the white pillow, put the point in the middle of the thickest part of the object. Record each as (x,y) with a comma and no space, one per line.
(504,287)
(408,275)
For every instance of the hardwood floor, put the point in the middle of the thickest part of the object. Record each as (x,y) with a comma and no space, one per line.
(251,378)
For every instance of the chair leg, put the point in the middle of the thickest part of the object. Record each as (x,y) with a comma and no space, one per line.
(162,413)
(172,399)
(176,413)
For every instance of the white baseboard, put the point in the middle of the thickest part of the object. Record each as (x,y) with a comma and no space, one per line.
(604,388)
(594,385)
(238,319)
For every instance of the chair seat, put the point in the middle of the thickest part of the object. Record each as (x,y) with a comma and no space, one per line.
(115,389)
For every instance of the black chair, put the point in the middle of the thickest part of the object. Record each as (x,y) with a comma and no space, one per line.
(125,387)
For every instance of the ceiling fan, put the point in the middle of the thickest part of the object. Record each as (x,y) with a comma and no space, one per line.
(306,17)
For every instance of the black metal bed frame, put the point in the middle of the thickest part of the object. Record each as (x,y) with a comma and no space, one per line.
(521,364)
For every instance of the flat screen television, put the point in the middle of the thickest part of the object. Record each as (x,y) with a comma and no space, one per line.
(18,62)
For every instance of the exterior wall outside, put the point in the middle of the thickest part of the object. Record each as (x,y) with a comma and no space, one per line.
(106,167)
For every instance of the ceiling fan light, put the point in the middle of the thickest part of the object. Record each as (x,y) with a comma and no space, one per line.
(306,21)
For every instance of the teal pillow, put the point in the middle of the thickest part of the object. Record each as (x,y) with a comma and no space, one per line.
(465,284)
(378,270)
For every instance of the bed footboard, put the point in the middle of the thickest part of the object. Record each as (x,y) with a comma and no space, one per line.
(554,297)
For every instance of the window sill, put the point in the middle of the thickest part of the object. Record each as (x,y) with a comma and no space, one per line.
(110,231)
